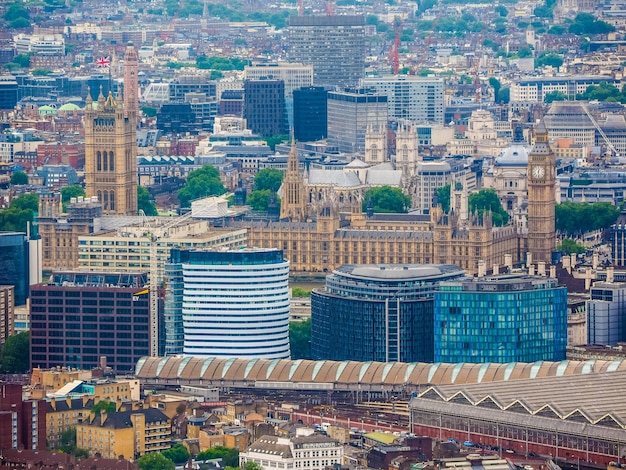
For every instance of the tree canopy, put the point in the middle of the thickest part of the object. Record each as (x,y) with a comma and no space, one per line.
(21,211)
(575,218)
(144,201)
(569,246)
(155,461)
(230,457)
(103,405)
(268,178)
(259,199)
(18,178)
(300,339)
(487,200)
(203,182)
(68,192)
(443,197)
(15,355)
(252,466)
(177,454)
(387,199)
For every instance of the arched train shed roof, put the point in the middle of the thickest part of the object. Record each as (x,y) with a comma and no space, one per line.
(349,375)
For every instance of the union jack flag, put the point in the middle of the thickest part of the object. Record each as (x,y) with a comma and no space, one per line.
(103,62)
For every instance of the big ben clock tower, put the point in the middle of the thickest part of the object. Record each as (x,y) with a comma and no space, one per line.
(541,176)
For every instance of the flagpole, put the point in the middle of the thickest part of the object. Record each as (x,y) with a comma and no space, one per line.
(110,77)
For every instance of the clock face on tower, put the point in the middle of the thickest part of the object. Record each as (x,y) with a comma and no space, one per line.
(538,172)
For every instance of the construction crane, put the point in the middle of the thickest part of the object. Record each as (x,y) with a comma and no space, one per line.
(610,147)
(330,8)
(394,55)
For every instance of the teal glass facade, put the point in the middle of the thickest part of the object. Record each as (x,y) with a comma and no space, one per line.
(501,319)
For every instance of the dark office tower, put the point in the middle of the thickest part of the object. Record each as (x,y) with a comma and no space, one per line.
(333,45)
(76,318)
(22,422)
(231,103)
(14,263)
(264,107)
(309,113)
(8,92)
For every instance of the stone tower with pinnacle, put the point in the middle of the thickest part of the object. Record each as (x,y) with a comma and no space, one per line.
(541,197)
(293,205)
(110,155)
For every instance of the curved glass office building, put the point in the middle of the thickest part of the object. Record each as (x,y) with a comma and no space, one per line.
(378,312)
(235,303)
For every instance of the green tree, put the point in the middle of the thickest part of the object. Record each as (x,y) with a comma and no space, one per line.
(41,72)
(300,339)
(268,178)
(15,355)
(27,201)
(276,139)
(505,95)
(16,10)
(496,85)
(252,466)
(501,10)
(19,23)
(177,454)
(155,461)
(104,405)
(144,202)
(23,60)
(19,178)
(68,192)
(300,292)
(149,111)
(203,182)
(552,60)
(230,457)
(443,197)
(259,199)
(487,200)
(569,246)
(575,218)
(387,199)
(554,96)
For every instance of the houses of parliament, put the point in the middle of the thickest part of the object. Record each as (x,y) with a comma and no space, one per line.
(321,236)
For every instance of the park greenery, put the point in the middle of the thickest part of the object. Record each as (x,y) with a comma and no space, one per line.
(300,339)
(569,246)
(68,192)
(266,183)
(203,182)
(67,444)
(300,292)
(385,199)
(15,354)
(230,457)
(177,454)
(20,212)
(103,405)
(155,461)
(19,178)
(575,218)
(220,63)
(144,202)
(486,200)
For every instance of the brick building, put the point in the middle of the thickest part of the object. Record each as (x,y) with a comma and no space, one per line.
(22,422)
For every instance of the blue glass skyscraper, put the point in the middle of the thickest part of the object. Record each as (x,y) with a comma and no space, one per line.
(500,319)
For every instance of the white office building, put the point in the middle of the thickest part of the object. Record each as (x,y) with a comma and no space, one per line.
(409,97)
(234,303)
(304,452)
